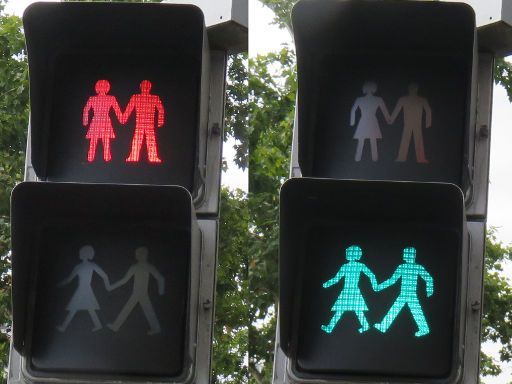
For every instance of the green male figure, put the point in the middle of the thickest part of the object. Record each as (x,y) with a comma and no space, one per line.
(409,273)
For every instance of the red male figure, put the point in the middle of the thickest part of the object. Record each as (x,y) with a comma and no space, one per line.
(145,105)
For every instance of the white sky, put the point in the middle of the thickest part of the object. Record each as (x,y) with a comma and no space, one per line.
(264,38)
(17,7)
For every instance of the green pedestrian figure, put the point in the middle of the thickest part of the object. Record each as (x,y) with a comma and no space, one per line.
(409,273)
(350,298)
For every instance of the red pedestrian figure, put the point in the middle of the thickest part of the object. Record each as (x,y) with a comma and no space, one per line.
(101,126)
(145,105)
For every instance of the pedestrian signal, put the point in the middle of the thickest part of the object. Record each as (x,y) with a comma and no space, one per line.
(371,280)
(104,289)
(380,99)
(100,127)
(84,297)
(118,92)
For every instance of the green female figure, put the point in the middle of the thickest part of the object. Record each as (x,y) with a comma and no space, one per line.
(350,298)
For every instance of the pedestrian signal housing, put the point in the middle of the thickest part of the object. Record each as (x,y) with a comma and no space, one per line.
(105,284)
(371,280)
(385,89)
(118,92)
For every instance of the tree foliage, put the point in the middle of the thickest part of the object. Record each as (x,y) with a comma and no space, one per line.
(282,10)
(503,75)
(230,342)
(272,88)
(13,125)
(497,317)
(237,108)
(231,316)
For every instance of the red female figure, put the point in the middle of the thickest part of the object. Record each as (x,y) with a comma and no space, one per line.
(101,126)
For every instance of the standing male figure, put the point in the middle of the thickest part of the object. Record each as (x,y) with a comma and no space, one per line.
(140,271)
(413,107)
(409,273)
(145,105)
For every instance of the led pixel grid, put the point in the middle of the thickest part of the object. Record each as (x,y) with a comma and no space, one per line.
(125,119)
(368,294)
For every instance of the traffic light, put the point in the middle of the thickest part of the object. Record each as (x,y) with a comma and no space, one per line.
(114,281)
(385,90)
(119,92)
(374,257)
(371,280)
(105,282)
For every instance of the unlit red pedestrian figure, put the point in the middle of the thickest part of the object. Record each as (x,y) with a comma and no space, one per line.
(413,107)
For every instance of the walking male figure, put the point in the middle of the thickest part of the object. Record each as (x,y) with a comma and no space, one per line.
(409,273)
(145,105)
(140,271)
(413,107)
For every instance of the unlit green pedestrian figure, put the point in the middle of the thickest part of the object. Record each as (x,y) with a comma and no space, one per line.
(141,272)
(350,298)
(84,298)
(409,273)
